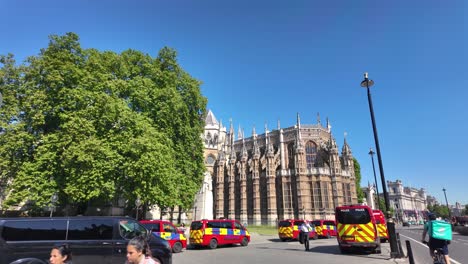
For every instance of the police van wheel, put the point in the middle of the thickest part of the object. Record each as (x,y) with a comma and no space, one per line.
(328,235)
(244,242)
(213,243)
(283,239)
(177,247)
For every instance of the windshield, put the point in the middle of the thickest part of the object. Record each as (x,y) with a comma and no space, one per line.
(284,224)
(129,229)
(197,225)
(316,223)
(353,216)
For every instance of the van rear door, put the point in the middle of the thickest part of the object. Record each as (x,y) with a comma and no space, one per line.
(355,225)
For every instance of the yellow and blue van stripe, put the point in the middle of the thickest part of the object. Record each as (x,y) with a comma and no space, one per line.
(170,236)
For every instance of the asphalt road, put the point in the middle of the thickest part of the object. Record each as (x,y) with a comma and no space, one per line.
(269,249)
(458,248)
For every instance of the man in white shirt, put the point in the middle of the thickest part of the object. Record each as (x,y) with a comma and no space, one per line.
(305,228)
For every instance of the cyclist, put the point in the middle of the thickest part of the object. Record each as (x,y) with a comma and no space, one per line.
(435,243)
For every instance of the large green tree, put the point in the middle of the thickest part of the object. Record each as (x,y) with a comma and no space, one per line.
(357,173)
(92,125)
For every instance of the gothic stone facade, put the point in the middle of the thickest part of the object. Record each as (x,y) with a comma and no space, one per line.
(295,172)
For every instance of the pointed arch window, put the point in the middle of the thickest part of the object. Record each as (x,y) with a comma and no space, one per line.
(311,154)
(290,156)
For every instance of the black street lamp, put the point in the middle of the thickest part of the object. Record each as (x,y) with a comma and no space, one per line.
(394,252)
(450,215)
(137,204)
(371,153)
(53,200)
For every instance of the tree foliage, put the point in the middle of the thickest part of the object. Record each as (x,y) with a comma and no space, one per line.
(439,210)
(357,173)
(91,125)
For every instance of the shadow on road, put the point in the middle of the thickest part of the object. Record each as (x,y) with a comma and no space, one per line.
(334,250)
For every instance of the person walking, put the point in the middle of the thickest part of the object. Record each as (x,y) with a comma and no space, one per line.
(305,228)
(138,252)
(60,255)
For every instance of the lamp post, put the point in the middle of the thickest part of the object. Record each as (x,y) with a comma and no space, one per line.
(137,204)
(394,252)
(450,215)
(371,153)
(53,200)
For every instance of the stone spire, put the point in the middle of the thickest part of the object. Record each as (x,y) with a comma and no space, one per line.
(256,148)
(244,149)
(298,137)
(346,150)
(328,125)
(239,133)
(210,119)
(318,119)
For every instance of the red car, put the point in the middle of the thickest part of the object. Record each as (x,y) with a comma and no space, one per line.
(166,230)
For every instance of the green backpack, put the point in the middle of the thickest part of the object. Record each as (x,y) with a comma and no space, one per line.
(440,230)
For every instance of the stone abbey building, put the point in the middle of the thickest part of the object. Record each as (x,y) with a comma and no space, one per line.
(294,172)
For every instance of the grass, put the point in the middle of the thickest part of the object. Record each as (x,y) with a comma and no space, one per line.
(263,230)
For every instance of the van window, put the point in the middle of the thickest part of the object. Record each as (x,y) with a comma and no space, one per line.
(329,223)
(130,229)
(353,216)
(90,229)
(196,225)
(152,227)
(238,226)
(316,223)
(212,224)
(33,230)
(284,224)
(169,228)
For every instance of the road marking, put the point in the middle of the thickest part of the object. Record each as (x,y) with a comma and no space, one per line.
(451,259)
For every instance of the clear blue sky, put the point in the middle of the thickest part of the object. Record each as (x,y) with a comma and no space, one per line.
(261,61)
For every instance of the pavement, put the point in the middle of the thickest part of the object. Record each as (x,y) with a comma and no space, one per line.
(256,238)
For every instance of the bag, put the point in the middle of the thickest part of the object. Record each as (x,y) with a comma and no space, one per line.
(440,230)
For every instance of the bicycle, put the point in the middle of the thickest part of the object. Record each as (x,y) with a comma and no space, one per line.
(439,257)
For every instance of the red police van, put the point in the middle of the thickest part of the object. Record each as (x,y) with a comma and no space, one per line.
(212,233)
(325,228)
(381,225)
(357,228)
(288,229)
(166,230)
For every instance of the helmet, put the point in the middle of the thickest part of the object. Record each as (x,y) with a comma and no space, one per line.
(431,216)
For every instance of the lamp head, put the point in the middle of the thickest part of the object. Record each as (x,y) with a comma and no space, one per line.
(366,82)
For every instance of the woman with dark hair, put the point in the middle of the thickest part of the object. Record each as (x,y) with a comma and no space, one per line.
(138,252)
(60,255)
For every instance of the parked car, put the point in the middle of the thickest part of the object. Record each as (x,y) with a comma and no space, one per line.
(166,230)
(91,239)
(406,224)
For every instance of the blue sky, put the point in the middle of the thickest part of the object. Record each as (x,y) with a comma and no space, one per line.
(261,61)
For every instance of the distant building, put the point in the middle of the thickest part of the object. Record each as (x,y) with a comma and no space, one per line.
(370,196)
(293,172)
(409,203)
